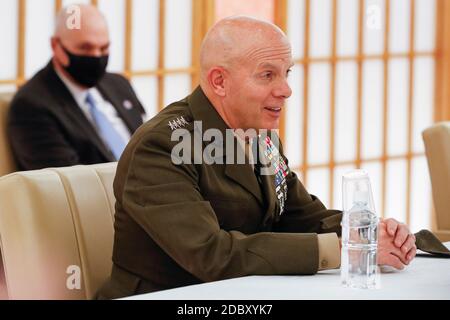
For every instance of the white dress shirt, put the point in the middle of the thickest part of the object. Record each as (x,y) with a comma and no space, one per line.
(103,105)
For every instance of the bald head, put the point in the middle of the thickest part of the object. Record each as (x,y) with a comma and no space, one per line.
(244,67)
(80,30)
(236,39)
(90,18)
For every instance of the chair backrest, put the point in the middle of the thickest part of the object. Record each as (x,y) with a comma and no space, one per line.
(437,148)
(56,231)
(7,164)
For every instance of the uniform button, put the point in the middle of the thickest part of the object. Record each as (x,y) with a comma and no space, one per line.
(324,263)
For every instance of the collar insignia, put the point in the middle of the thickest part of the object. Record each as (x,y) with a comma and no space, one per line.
(177,123)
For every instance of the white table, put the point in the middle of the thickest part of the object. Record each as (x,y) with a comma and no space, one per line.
(424,278)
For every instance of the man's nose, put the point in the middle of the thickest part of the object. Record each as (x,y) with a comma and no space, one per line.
(96,52)
(283,90)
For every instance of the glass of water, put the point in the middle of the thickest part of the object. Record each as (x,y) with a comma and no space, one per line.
(359,232)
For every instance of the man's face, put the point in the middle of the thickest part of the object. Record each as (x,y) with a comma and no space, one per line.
(257,87)
(91,40)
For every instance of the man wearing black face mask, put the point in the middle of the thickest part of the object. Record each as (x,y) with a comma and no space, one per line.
(73,111)
(86,70)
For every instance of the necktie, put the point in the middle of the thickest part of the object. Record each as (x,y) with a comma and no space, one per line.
(105,128)
(256,158)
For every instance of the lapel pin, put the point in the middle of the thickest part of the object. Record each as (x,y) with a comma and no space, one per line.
(127,105)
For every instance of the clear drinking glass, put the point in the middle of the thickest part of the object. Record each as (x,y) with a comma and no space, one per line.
(359,232)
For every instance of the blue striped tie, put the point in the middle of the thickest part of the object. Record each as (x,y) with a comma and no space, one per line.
(105,128)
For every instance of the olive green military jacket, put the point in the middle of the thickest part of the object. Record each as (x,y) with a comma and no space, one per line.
(182,224)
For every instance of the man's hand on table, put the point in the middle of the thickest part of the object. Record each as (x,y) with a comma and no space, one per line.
(396,244)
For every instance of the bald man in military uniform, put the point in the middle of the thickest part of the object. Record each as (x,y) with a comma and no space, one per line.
(180,223)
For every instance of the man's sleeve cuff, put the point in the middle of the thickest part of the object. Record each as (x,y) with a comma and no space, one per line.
(329,251)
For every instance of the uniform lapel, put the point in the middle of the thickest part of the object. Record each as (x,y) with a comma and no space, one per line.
(268,187)
(202,110)
(244,175)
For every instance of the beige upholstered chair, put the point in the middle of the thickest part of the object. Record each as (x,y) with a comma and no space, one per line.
(437,147)
(7,164)
(54,223)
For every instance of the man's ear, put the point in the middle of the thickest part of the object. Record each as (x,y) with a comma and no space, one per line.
(53,43)
(216,79)
(58,52)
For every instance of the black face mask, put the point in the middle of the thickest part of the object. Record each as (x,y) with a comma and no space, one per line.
(86,70)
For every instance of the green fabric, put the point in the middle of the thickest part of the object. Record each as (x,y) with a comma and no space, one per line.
(428,242)
(183,224)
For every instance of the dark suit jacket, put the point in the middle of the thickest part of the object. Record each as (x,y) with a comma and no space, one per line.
(47,128)
(177,225)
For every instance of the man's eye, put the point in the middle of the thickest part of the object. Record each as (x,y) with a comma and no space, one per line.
(85,47)
(288,72)
(267,75)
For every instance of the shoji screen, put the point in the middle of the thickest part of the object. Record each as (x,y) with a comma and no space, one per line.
(363,88)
